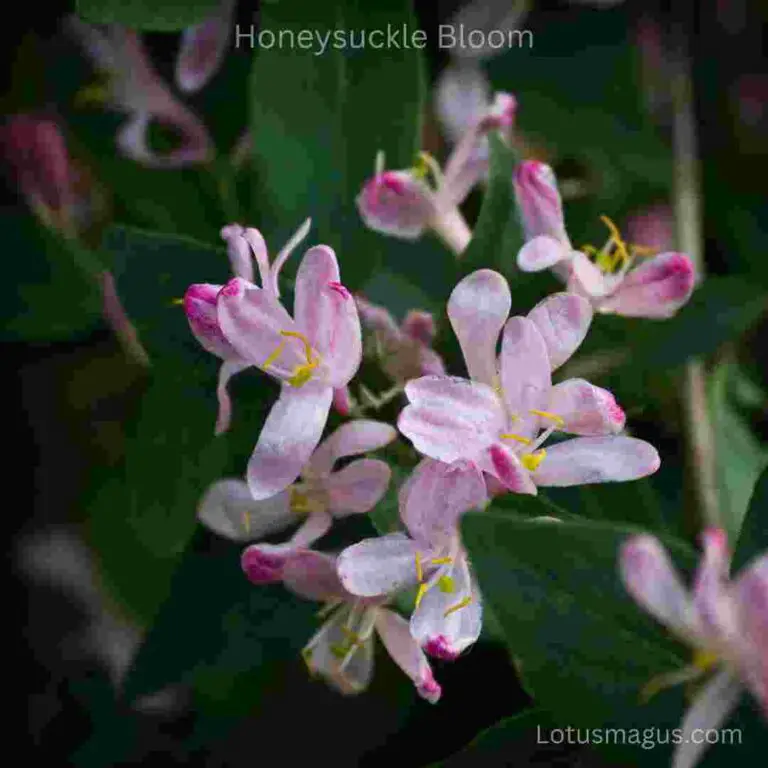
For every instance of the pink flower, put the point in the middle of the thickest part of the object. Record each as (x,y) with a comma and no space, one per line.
(447,617)
(343,648)
(405,350)
(313,353)
(500,419)
(725,621)
(229,509)
(136,89)
(203,47)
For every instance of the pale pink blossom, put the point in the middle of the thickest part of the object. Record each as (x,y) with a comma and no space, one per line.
(321,495)
(500,419)
(342,650)
(447,617)
(134,87)
(724,620)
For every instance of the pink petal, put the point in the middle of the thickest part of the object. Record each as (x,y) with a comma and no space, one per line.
(539,205)
(381,566)
(585,460)
(325,311)
(450,418)
(436,495)
(405,652)
(501,463)
(290,434)
(350,439)
(202,49)
(478,308)
(563,320)
(238,251)
(711,600)
(312,575)
(358,487)
(313,528)
(200,309)
(586,277)
(228,369)
(585,408)
(525,374)
(264,563)
(541,253)
(650,578)
(296,239)
(342,401)
(229,510)
(657,288)
(258,251)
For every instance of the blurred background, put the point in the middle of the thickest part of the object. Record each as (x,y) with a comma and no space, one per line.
(98,448)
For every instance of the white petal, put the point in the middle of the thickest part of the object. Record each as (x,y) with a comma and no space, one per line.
(380,566)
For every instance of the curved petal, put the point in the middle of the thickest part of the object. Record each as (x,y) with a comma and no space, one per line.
(264,563)
(585,460)
(406,653)
(563,320)
(350,439)
(478,308)
(312,575)
(436,495)
(313,528)
(239,254)
(450,418)
(200,308)
(586,409)
(290,433)
(526,378)
(381,566)
(439,625)
(712,602)
(285,252)
(501,463)
(540,207)
(228,509)
(358,487)
(708,712)
(326,312)
(541,253)
(228,369)
(657,288)
(586,278)
(650,578)
(258,252)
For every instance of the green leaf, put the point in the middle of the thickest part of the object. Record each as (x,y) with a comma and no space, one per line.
(753,539)
(497,236)
(154,15)
(317,127)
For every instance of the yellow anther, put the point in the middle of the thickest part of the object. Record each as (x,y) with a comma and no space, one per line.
(419,570)
(643,250)
(621,255)
(302,374)
(531,461)
(590,250)
(352,637)
(462,604)
(299,502)
(247,522)
(442,560)
(512,436)
(559,420)
(446,584)
(704,660)
(420,594)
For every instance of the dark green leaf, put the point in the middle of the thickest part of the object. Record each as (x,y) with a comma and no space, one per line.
(753,539)
(158,15)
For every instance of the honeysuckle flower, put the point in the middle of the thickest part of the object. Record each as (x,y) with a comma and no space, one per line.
(447,617)
(656,288)
(322,495)
(403,204)
(135,88)
(312,354)
(724,620)
(342,650)
(405,350)
(202,48)
(500,419)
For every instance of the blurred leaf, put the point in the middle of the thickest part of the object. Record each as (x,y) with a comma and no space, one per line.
(497,236)
(317,127)
(753,539)
(157,15)
(385,516)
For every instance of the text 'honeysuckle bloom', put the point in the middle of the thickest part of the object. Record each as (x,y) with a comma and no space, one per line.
(447,617)
(404,204)
(134,87)
(342,650)
(655,288)
(321,495)
(500,419)
(724,621)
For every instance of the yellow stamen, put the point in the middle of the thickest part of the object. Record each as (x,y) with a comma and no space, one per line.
(352,637)
(551,416)
(274,355)
(299,502)
(339,651)
(446,584)
(442,560)
(462,604)
(247,522)
(621,255)
(420,594)
(590,250)
(419,570)
(643,250)
(704,660)
(531,461)
(512,436)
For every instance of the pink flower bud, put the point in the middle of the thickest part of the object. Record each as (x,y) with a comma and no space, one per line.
(200,309)
(539,202)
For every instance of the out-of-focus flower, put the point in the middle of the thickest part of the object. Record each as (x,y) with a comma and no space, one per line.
(447,617)
(750,95)
(656,288)
(724,621)
(323,494)
(135,88)
(342,650)
(202,48)
(404,350)
(652,228)
(313,353)
(501,418)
